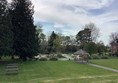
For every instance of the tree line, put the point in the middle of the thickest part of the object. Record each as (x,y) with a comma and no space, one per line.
(20,37)
(85,39)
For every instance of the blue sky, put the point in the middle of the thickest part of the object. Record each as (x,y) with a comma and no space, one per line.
(69,16)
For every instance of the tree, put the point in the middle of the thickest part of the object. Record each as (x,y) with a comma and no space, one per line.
(101,48)
(65,40)
(91,48)
(25,34)
(113,37)
(84,35)
(43,44)
(68,44)
(94,31)
(6,35)
(42,40)
(114,43)
(88,35)
(54,43)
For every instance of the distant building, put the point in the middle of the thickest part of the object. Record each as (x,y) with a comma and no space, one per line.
(114,46)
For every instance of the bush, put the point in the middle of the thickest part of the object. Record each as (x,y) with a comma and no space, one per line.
(60,56)
(116,54)
(43,59)
(104,57)
(53,59)
(90,57)
(95,56)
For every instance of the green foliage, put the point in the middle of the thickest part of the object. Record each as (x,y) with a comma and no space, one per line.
(87,36)
(53,59)
(95,56)
(54,43)
(43,59)
(116,54)
(101,48)
(60,56)
(91,48)
(6,34)
(70,48)
(104,57)
(84,36)
(25,34)
(41,40)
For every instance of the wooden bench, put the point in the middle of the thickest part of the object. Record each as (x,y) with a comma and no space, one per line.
(11,68)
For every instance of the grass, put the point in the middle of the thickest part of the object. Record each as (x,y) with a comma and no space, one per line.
(58,72)
(112,63)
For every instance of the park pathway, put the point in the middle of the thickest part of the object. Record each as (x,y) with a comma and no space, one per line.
(106,68)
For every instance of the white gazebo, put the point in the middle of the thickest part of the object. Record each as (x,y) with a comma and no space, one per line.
(81,56)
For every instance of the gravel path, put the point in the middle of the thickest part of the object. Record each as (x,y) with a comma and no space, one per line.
(106,68)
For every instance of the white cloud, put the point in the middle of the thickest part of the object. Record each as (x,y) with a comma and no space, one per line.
(76,13)
(9,0)
(52,10)
(94,4)
(106,17)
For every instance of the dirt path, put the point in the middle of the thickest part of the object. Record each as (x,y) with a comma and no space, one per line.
(106,68)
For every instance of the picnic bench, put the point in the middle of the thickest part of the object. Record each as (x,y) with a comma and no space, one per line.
(11,68)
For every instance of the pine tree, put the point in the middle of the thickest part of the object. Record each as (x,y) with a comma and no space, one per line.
(25,36)
(6,35)
(54,43)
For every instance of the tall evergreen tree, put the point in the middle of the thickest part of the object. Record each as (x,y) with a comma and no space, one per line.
(25,34)
(6,35)
(54,43)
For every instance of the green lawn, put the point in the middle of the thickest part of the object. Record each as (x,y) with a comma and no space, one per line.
(112,63)
(58,72)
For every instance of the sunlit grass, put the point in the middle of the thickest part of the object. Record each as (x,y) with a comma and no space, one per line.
(112,63)
(57,72)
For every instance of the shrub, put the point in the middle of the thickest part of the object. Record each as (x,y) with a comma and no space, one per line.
(60,56)
(104,57)
(116,54)
(43,59)
(95,56)
(53,59)
(90,57)
(110,54)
